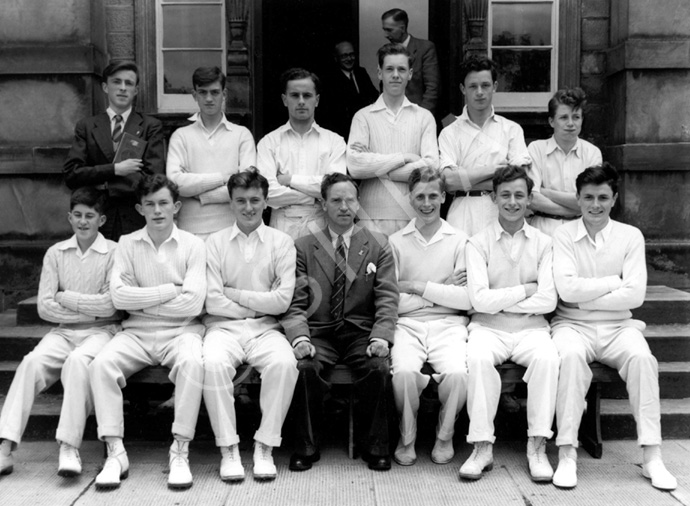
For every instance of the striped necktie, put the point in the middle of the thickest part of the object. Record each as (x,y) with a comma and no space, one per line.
(338,293)
(117,131)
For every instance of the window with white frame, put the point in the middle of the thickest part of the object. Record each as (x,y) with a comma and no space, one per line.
(523,41)
(189,34)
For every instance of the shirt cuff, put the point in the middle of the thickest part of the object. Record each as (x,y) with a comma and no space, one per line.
(379,340)
(300,339)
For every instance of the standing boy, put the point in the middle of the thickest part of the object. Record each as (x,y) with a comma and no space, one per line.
(251,279)
(90,161)
(511,289)
(601,274)
(432,325)
(203,155)
(159,278)
(73,292)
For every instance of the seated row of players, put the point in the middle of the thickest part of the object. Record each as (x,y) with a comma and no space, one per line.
(343,294)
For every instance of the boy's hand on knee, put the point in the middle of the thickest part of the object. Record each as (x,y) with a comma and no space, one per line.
(304,349)
(378,349)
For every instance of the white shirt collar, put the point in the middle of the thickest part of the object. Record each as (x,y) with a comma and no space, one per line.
(259,231)
(112,114)
(581,233)
(406,42)
(99,245)
(380,105)
(347,236)
(466,117)
(196,118)
(552,145)
(287,127)
(445,229)
(143,235)
(526,229)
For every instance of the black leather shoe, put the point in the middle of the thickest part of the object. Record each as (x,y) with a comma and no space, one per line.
(379,463)
(303,462)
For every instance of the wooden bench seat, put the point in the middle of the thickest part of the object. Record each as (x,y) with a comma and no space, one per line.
(590,428)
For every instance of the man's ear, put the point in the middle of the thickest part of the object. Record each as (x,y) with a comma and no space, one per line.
(177,207)
(102,220)
(284,97)
(139,209)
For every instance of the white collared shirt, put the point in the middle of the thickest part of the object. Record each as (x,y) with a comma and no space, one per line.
(211,135)
(600,238)
(112,114)
(554,169)
(99,245)
(347,238)
(248,243)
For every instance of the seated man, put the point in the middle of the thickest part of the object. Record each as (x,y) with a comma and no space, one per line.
(511,288)
(159,278)
(557,161)
(251,280)
(296,156)
(344,310)
(600,275)
(432,326)
(203,155)
(73,292)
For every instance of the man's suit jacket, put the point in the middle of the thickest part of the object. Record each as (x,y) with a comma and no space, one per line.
(90,160)
(371,298)
(340,101)
(423,88)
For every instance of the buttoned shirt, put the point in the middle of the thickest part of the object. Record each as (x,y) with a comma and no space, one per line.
(554,169)
(307,158)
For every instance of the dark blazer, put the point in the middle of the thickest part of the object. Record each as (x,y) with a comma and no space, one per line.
(340,101)
(423,88)
(89,162)
(371,300)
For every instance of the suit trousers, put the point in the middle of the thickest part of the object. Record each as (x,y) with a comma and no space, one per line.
(618,344)
(443,344)
(63,354)
(270,353)
(372,390)
(136,348)
(530,348)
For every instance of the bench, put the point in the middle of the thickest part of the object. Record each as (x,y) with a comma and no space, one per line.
(590,428)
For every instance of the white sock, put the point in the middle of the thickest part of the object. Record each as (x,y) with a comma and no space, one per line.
(651,452)
(567,451)
(6,447)
(115,445)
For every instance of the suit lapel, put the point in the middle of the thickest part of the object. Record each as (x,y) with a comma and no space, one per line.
(134,124)
(324,254)
(359,251)
(103,135)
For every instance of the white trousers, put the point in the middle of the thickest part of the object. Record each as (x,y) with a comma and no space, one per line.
(298,221)
(617,344)
(442,343)
(271,354)
(533,349)
(472,214)
(63,354)
(136,348)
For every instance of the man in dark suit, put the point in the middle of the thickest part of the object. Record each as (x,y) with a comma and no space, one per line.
(96,139)
(344,310)
(346,89)
(423,88)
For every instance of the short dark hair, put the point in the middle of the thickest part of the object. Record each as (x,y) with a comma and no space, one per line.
(392,49)
(512,173)
(335,178)
(398,16)
(476,63)
(90,197)
(425,175)
(573,97)
(297,73)
(152,183)
(203,76)
(598,174)
(116,66)
(248,178)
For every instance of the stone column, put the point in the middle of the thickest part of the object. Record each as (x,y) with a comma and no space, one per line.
(120,29)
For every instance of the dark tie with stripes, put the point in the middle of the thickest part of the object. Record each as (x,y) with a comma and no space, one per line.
(117,131)
(338,294)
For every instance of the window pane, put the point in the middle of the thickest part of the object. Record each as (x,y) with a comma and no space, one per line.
(186,1)
(191,26)
(179,66)
(523,70)
(521,24)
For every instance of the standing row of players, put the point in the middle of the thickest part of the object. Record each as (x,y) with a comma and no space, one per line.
(391,143)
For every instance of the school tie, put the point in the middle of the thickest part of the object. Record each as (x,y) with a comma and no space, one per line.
(117,131)
(338,294)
